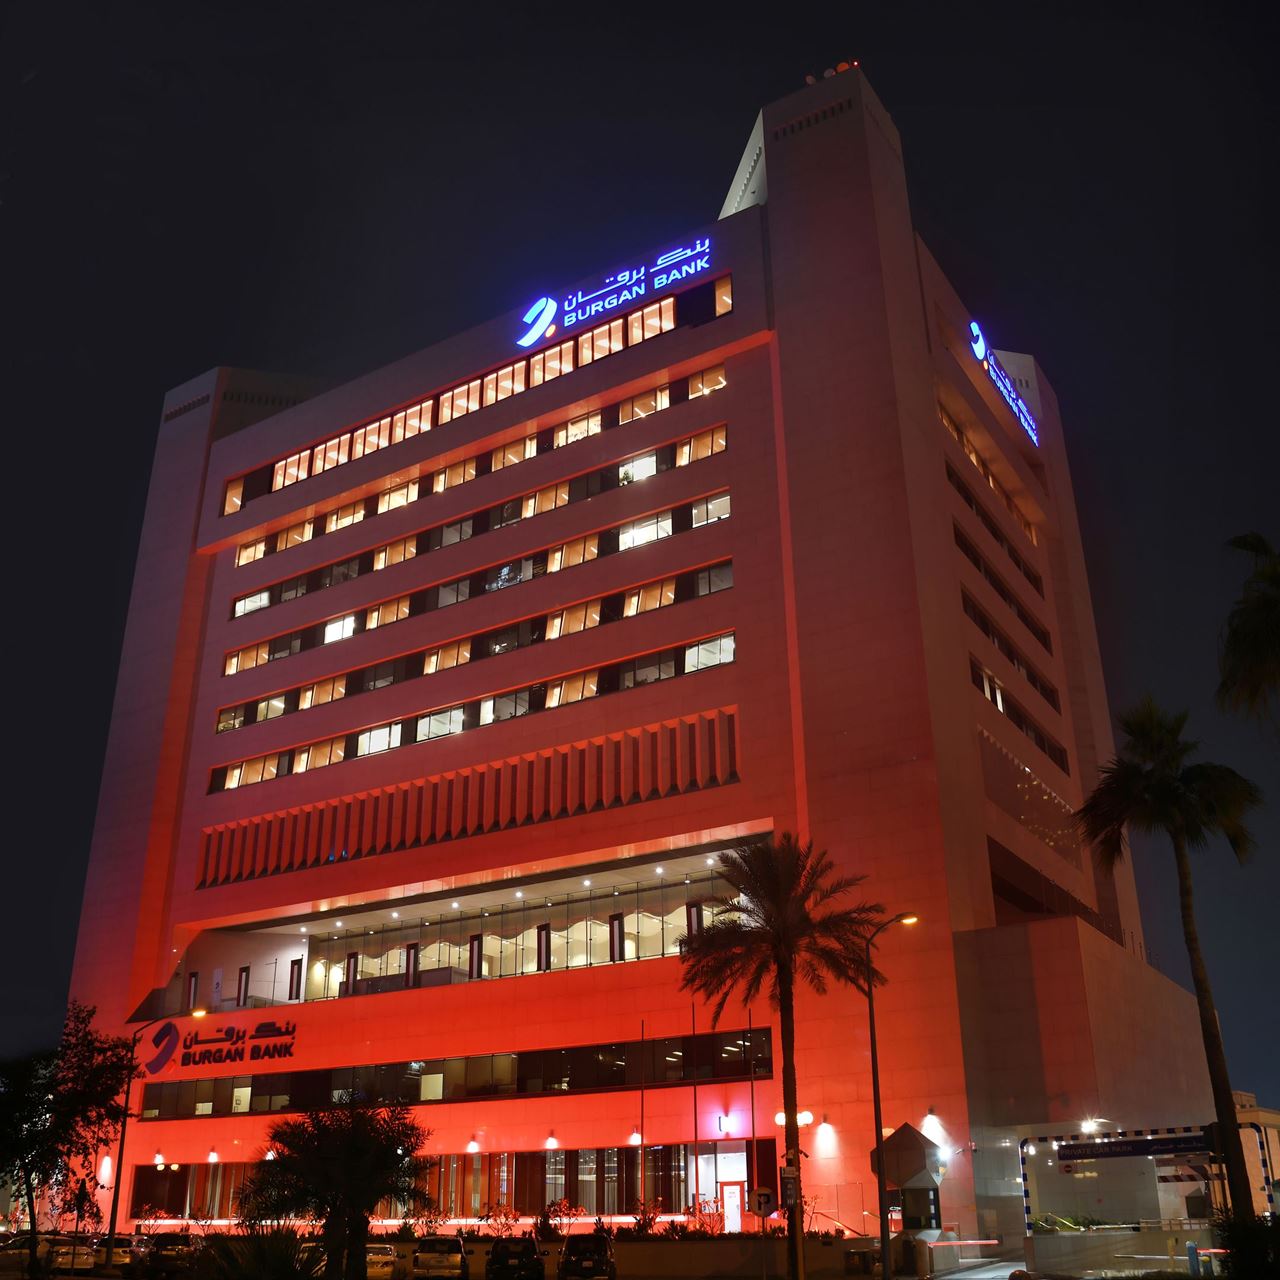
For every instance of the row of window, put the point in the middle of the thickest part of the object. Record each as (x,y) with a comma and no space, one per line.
(966,496)
(701,303)
(995,693)
(579,489)
(675,1060)
(974,456)
(998,585)
(978,616)
(522,507)
(559,622)
(613,415)
(447,721)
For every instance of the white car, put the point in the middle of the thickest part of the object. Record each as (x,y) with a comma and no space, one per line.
(58,1252)
(380,1259)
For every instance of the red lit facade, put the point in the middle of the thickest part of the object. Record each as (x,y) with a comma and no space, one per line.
(441,691)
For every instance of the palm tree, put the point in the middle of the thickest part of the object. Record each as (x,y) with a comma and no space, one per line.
(1249,659)
(1151,787)
(784,924)
(336,1165)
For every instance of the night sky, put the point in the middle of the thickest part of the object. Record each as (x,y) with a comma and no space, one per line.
(324,191)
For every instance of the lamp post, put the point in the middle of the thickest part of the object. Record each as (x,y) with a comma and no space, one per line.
(882,1192)
(124,1123)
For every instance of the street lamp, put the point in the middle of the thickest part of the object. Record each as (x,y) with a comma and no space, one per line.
(886,1253)
(124,1121)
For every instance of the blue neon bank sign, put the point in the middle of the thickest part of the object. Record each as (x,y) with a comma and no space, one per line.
(1004,383)
(622,287)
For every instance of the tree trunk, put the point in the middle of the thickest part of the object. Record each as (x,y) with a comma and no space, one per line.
(33,1238)
(357,1267)
(334,1235)
(791,1127)
(1224,1104)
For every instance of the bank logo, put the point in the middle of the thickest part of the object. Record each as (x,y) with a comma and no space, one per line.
(979,343)
(166,1042)
(1004,384)
(541,321)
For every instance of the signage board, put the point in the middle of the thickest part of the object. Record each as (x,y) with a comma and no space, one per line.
(1169,1145)
(1003,382)
(265,1042)
(762,1201)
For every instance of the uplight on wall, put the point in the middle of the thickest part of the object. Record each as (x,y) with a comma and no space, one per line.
(636,1139)
(159,1161)
(552,1142)
(213,1155)
(826,1138)
(473,1146)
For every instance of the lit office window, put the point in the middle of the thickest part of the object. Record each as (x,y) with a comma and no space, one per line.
(508,575)
(446,656)
(385,737)
(548,499)
(400,496)
(551,363)
(333,453)
(440,724)
(578,617)
(709,510)
(340,518)
(270,708)
(294,535)
(508,455)
(655,595)
(389,611)
(703,445)
(291,469)
(706,381)
(230,718)
(233,496)
(251,551)
(636,533)
(316,695)
(395,553)
(248,604)
(246,659)
(640,468)
(601,341)
(507,381)
(578,429)
(572,689)
(458,473)
(642,405)
(571,553)
(709,653)
(339,629)
(319,754)
(724,295)
(247,772)
(648,322)
(505,706)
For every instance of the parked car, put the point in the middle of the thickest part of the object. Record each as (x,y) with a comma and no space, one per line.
(167,1252)
(515,1259)
(57,1252)
(442,1256)
(380,1259)
(122,1253)
(588,1256)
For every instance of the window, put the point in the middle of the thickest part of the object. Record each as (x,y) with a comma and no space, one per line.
(448,593)
(380,675)
(570,553)
(340,518)
(642,405)
(572,689)
(459,531)
(319,754)
(295,978)
(333,575)
(1011,652)
(247,772)
(507,381)
(395,553)
(640,468)
(709,653)
(411,963)
(544,948)
(400,496)
(578,617)
(551,363)
(617,938)
(647,670)
(339,629)
(504,706)
(703,445)
(450,477)
(601,341)
(724,295)
(508,455)
(446,656)
(975,558)
(718,578)
(648,322)
(233,496)
(709,510)
(294,588)
(461,400)
(248,604)
(548,499)
(294,535)
(653,596)
(578,429)
(637,533)
(994,692)
(245,659)
(316,695)
(230,718)
(291,469)
(475,956)
(270,708)
(242,987)
(440,724)
(974,456)
(508,575)
(250,552)
(706,381)
(385,737)
(390,611)
(193,990)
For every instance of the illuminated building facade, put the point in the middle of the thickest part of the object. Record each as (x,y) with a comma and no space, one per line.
(442,690)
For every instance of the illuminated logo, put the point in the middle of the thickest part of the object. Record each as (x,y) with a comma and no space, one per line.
(1004,383)
(166,1043)
(540,318)
(617,290)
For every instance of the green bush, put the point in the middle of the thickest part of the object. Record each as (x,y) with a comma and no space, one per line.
(1252,1244)
(275,1253)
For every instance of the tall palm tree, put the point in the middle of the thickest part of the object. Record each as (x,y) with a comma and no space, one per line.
(1249,659)
(1151,787)
(785,923)
(336,1164)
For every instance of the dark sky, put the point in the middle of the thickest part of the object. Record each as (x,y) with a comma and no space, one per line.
(324,190)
